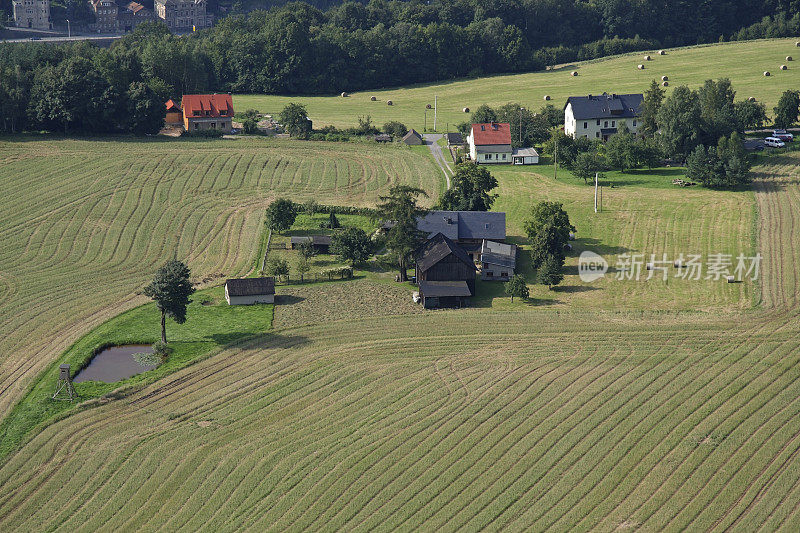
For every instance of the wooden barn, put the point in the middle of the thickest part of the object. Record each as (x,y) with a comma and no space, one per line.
(445,273)
(249,291)
(174,115)
(320,243)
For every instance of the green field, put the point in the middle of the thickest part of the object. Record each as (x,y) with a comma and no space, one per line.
(743,62)
(608,406)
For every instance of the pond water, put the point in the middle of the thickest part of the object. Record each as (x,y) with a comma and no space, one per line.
(114,364)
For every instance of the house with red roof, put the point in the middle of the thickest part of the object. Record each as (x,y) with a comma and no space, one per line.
(490,143)
(207,112)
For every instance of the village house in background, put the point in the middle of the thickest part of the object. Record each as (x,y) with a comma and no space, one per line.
(601,116)
(498,261)
(33,14)
(467,228)
(134,14)
(183,15)
(105,14)
(444,272)
(249,291)
(207,112)
(490,143)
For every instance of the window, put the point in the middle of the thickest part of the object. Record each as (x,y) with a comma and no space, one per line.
(486,265)
(488,156)
(504,157)
(606,124)
(489,274)
(196,113)
(613,123)
(585,125)
(503,274)
(597,134)
(598,121)
(213,125)
(223,112)
(196,126)
(634,123)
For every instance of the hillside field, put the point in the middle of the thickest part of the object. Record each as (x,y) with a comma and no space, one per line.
(611,406)
(743,62)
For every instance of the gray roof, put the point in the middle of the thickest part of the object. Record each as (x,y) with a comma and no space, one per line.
(455,138)
(436,249)
(526,152)
(498,253)
(605,106)
(250,286)
(493,148)
(315,239)
(412,134)
(460,225)
(439,289)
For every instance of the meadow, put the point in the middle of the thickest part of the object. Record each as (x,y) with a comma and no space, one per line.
(743,62)
(85,223)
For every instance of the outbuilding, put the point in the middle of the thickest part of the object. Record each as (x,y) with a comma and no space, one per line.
(498,261)
(443,293)
(174,115)
(412,138)
(249,291)
(320,243)
(440,259)
(525,156)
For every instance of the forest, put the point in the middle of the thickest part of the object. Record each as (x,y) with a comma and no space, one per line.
(297,48)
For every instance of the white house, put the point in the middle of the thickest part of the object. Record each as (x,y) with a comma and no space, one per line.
(525,156)
(498,260)
(601,116)
(490,143)
(250,291)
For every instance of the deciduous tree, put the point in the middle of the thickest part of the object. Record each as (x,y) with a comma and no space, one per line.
(352,245)
(516,286)
(281,214)
(170,289)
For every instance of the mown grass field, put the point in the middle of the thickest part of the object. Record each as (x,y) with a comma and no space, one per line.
(584,410)
(743,62)
(85,223)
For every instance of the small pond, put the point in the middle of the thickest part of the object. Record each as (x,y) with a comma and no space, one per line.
(114,364)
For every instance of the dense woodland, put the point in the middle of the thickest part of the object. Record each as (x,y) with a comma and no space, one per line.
(301,49)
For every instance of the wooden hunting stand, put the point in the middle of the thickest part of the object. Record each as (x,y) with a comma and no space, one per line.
(64,388)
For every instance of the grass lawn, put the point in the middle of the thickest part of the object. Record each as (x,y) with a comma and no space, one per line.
(742,62)
(211,324)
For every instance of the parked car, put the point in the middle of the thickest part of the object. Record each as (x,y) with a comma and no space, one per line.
(783,135)
(774,142)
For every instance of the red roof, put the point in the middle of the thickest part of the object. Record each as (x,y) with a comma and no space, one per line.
(207,105)
(172,106)
(491,133)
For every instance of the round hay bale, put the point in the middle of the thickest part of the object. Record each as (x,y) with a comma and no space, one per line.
(797,43)
(662,52)
(345,95)
(789,58)
(389,102)
(783,67)
(751,99)
(766,73)
(428,106)
(573,73)
(372,99)
(640,67)
(664,78)
(647,58)
(465,110)
(665,83)
(547,98)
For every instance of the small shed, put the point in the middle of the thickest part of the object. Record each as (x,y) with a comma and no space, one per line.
(412,138)
(249,291)
(498,260)
(320,243)
(443,293)
(174,115)
(455,139)
(524,156)
(383,138)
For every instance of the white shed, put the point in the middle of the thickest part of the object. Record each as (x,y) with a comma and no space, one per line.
(525,156)
(249,291)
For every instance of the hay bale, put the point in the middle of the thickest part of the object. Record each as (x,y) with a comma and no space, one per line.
(465,110)
(783,67)
(372,99)
(427,106)
(797,44)
(751,99)
(730,279)
(345,95)
(678,263)
(789,58)
(766,73)
(640,67)
(389,102)
(647,58)
(662,52)
(649,266)
(665,84)
(573,73)
(547,98)
(664,78)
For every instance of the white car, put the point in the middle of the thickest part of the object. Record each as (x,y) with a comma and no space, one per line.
(774,142)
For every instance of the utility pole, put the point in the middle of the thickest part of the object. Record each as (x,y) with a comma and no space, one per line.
(555,159)
(521,109)
(425,127)
(69,29)
(595,192)
(435,109)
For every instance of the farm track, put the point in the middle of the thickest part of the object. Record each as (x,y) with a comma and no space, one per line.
(557,419)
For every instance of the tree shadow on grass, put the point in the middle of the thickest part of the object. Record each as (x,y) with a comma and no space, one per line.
(263,339)
(287,299)
(596,246)
(572,289)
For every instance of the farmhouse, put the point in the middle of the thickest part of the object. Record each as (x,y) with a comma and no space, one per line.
(412,138)
(490,143)
(250,291)
(320,243)
(445,273)
(600,117)
(498,260)
(467,228)
(207,112)
(174,114)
